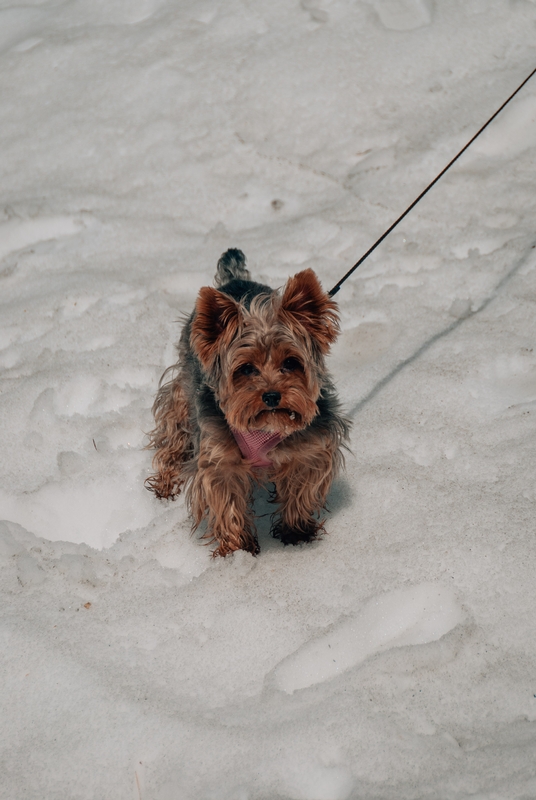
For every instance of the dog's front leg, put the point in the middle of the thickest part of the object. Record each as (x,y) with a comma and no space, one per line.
(220,492)
(302,483)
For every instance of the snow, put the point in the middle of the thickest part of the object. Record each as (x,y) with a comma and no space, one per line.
(417,615)
(140,140)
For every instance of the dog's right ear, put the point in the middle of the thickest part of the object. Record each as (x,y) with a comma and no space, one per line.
(215,323)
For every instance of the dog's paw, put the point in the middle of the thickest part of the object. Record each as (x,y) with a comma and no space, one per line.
(250,545)
(307,531)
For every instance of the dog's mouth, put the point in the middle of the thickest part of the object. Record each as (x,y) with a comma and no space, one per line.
(284,419)
(291,414)
(288,412)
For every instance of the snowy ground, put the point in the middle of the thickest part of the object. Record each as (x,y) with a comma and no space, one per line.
(395,659)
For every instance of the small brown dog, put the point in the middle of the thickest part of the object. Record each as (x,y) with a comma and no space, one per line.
(251,402)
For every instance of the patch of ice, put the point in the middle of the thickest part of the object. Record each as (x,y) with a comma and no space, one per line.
(418,615)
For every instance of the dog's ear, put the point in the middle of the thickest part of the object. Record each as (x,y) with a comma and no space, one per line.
(215,323)
(306,304)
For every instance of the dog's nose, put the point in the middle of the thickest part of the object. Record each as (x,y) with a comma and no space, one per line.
(271,399)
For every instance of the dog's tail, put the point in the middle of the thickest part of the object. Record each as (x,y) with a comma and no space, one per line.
(232,264)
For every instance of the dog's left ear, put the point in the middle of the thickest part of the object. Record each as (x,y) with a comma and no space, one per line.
(305,302)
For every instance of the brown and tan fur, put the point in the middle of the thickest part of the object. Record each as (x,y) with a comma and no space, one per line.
(251,359)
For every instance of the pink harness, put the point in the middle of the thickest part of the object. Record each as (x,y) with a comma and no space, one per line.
(254,445)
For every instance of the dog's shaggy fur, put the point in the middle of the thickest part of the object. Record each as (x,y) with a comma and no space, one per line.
(250,401)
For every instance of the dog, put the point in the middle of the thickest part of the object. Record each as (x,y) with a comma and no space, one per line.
(250,401)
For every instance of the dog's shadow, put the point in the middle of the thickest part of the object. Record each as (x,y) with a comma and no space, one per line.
(339,497)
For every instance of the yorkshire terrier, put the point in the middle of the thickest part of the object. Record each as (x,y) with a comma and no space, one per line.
(250,401)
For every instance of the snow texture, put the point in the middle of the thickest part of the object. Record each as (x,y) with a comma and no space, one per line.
(418,615)
(139,140)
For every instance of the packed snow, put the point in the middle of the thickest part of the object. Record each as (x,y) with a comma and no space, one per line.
(417,615)
(395,659)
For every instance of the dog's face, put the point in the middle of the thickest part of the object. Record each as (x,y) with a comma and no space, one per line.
(266,364)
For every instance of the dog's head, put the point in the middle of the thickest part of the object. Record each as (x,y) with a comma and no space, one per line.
(266,363)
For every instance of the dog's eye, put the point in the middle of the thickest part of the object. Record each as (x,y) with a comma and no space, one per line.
(247,369)
(291,365)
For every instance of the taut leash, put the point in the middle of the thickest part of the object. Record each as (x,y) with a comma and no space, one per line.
(406,212)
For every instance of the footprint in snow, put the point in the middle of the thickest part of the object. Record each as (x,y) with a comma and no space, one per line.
(417,615)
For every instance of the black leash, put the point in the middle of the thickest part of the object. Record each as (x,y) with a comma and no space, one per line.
(449,165)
